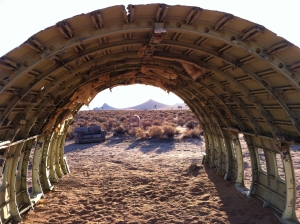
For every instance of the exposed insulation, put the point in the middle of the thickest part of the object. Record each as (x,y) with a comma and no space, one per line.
(142,51)
(193,70)
(104,78)
(129,75)
(52,121)
(86,93)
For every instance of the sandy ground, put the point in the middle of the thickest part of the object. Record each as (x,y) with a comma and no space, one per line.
(144,181)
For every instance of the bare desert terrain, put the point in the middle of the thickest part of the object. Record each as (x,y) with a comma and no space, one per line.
(130,180)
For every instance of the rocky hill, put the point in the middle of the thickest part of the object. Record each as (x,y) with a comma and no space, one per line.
(149,105)
(105,106)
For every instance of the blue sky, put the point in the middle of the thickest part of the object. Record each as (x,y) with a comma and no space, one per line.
(21,19)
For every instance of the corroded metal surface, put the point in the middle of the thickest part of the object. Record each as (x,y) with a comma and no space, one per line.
(236,76)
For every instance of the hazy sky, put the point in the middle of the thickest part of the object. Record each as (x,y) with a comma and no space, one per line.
(20,19)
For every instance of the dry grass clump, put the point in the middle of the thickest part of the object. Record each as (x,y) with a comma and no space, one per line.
(123,118)
(82,123)
(156,123)
(191,124)
(132,132)
(112,123)
(165,131)
(105,126)
(120,130)
(169,131)
(155,131)
(139,133)
(180,122)
(194,133)
(169,124)
(95,123)
(146,124)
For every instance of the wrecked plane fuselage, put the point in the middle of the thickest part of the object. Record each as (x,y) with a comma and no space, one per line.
(236,77)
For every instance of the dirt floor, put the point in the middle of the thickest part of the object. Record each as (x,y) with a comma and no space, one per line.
(144,181)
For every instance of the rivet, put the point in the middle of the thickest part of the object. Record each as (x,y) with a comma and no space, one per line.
(51,48)
(178,24)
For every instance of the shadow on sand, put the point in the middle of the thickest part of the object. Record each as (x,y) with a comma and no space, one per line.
(159,145)
(153,144)
(145,145)
(237,206)
(71,146)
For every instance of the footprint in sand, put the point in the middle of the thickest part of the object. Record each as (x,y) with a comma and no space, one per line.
(177,199)
(205,197)
(203,213)
(163,198)
(196,191)
(119,207)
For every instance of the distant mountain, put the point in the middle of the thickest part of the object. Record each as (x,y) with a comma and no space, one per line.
(105,107)
(174,107)
(149,105)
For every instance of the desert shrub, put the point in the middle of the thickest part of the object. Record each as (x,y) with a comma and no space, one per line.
(122,119)
(169,117)
(126,124)
(132,132)
(112,123)
(155,131)
(105,126)
(134,124)
(194,133)
(101,119)
(145,124)
(180,121)
(120,130)
(86,117)
(156,123)
(82,124)
(116,124)
(169,124)
(171,121)
(140,133)
(191,124)
(168,131)
(95,123)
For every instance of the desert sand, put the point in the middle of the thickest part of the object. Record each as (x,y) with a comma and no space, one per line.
(125,180)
